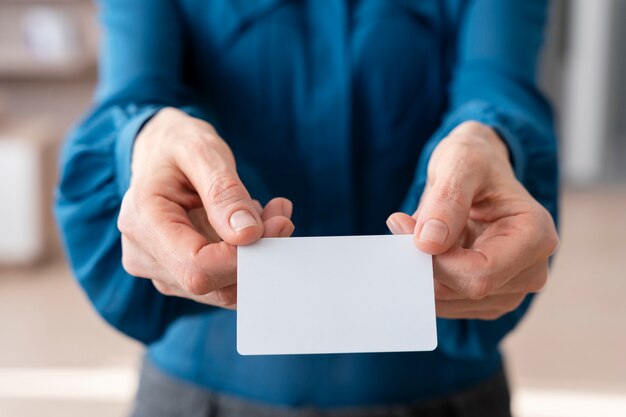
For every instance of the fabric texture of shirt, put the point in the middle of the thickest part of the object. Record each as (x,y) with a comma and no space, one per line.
(334,104)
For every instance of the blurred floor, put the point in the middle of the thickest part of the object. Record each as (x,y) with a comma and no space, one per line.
(568,357)
(571,348)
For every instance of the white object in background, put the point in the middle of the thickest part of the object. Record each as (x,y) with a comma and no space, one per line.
(334,295)
(21,219)
(586,101)
(51,35)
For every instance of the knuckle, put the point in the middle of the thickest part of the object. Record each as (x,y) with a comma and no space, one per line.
(124,222)
(450,193)
(551,239)
(163,288)
(134,213)
(225,189)
(513,303)
(225,254)
(130,264)
(196,280)
(196,283)
(547,230)
(539,282)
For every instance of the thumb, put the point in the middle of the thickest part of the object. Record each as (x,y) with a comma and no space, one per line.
(442,216)
(231,211)
(401,224)
(461,166)
(210,168)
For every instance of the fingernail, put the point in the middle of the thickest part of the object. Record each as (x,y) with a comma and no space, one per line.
(241,219)
(394,226)
(287,230)
(287,208)
(434,230)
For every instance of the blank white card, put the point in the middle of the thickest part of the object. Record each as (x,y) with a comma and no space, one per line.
(334,295)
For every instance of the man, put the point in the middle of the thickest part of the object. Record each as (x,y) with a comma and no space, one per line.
(353,111)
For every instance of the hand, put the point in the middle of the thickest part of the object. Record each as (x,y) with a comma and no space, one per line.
(491,239)
(186,210)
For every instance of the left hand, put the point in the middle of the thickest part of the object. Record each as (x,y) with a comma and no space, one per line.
(491,239)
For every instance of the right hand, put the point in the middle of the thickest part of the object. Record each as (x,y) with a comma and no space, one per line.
(186,211)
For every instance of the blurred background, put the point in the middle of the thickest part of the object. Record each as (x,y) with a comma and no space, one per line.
(57,358)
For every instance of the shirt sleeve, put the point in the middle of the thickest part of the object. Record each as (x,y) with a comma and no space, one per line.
(494,81)
(140,73)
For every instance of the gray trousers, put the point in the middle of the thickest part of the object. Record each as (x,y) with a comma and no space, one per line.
(160,395)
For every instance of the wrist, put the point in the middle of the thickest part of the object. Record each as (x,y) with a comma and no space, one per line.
(171,122)
(170,128)
(480,137)
(173,140)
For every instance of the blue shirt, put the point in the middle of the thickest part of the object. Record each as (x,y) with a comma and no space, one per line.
(335,104)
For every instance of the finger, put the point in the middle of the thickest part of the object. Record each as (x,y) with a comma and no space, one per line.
(277,207)
(227,299)
(493,302)
(227,296)
(505,249)
(258,206)
(468,272)
(278,226)
(497,305)
(508,247)
(442,216)
(488,315)
(443,292)
(455,176)
(140,264)
(197,265)
(401,224)
(224,297)
(531,280)
(210,168)
(231,212)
